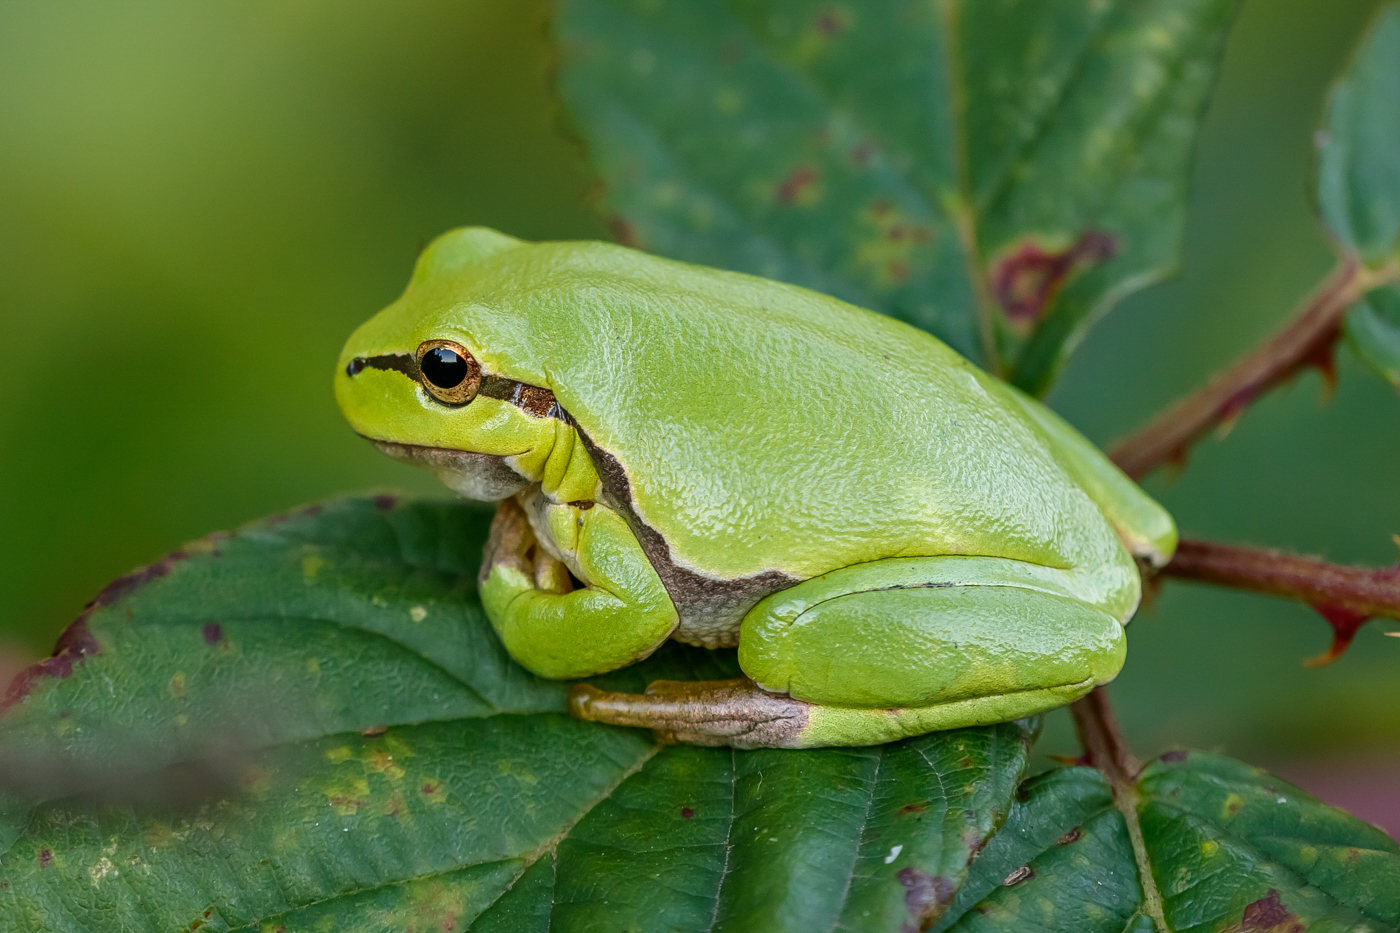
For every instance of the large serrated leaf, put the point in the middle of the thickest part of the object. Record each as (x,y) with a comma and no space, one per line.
(1359,183)
(1229,848)
(998,172)
(374,761)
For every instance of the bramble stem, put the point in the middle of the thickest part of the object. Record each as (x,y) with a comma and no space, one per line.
(1307,340)
(1345,596)
(1103,742)
(1105,750)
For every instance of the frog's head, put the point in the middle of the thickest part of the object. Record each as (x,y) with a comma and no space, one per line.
(414,382)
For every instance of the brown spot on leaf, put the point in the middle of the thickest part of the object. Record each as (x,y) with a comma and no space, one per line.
(898,270)
(1073,835)
(623,232)
(385,502)
(1027,280)
(686,813)
(796,183)
(925,897)
(913,808)
(372,731)
(1268,915)
(45,858)
(213,633)
(1180,754)
(863,153)
(1024,873)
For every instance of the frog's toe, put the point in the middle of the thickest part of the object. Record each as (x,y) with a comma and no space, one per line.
(718,712)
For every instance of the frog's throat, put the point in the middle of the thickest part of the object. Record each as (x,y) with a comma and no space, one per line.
(532,399)
(710,608)
(474,475)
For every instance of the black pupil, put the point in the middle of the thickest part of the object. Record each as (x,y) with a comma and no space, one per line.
(443,368)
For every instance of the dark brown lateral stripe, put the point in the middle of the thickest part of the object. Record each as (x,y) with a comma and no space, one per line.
(533,400)
(695,596)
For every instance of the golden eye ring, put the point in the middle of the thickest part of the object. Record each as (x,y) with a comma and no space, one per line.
(448,372)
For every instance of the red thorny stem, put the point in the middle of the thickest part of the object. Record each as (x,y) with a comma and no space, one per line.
(1345,596)
(1307,340)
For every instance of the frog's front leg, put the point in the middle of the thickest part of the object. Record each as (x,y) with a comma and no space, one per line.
(620,614)
(889,649)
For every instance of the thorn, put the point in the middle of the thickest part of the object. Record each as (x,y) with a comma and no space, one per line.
(1344,624)
(1393,634)
(1324,360)
(1176,461)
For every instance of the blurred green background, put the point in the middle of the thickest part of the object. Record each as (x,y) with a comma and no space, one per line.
(199,201)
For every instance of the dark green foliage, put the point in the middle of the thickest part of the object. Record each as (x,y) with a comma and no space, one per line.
(310,722)
(997,172)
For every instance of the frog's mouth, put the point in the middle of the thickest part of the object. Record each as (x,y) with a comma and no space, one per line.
(488,477)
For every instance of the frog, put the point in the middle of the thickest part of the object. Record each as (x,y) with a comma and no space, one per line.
(895,541)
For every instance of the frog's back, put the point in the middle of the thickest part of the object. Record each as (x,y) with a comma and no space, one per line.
(764,427)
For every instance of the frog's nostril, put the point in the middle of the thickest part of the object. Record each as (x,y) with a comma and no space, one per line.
(354,367)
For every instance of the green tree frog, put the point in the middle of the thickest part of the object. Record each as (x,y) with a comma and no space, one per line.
(896,541)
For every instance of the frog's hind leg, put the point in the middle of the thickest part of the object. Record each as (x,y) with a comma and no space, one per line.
(889,649)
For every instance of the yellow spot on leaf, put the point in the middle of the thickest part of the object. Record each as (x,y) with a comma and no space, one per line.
(177,685)
(432,791)
(1231,806)
(346,799)
(418,613)
(342,753)
(311,566)
(380,761)
(1209,848)
(313,666)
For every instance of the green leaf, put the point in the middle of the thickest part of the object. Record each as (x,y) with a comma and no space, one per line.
(1359,146)
(998,172)
(1229,848)
(1373,332)
(310,725)
(1358,184)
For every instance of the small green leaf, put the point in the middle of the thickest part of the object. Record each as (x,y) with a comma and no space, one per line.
(364,756)
(997,172)
(1373,332)
(1359,146)
(1358,183)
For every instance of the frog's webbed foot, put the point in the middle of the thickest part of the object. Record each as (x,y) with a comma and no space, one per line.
(716,712)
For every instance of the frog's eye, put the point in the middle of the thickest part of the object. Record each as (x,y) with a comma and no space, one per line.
(449,373)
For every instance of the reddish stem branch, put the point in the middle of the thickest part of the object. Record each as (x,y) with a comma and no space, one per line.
(1103,743)
(1307,340)
(1345,596)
